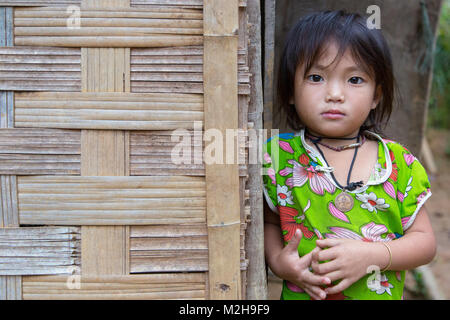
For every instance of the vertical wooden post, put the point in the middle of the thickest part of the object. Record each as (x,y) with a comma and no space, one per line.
(220,26)
(254,244)
(105,249)
(269,63)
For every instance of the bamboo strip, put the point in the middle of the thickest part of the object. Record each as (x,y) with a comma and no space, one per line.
(42,151)
(39,2)
(108,182)
(166,230)
(166,68)
(53,233)
(39,51)
(109,22)
(177,87)
(115,295)
(139,279)
(104,31)
(110,200)
(167,2)
(65,115)
(109,96)
(109,125)
(10,288)
(43,76)
(105,105)
(107,41)
(167,76)
(6,109)
(175,4)
(38,69)
(38,250)
(176,51)
(38,58)
(8,206)
(167,243)
(157,286)
(156,13)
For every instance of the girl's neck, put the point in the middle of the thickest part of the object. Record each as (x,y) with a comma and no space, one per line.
(335,140)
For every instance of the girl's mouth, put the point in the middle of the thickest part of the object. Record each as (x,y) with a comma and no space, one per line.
(332,114)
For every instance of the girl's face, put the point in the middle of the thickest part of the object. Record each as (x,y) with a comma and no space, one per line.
(336,100)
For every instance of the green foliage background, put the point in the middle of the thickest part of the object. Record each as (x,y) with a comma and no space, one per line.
(439,107)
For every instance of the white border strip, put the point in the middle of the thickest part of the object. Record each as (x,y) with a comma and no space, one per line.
(413,216)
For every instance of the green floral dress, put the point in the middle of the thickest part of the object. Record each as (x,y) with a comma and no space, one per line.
(298,186)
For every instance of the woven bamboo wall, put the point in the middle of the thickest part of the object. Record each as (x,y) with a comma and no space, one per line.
(92,206)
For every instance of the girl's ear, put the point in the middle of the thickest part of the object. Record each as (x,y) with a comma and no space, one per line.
(377,97)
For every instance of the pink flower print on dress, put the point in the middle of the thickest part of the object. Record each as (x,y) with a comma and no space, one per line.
(271,174)
(389,189)
(335,212)
(286,146)
(405,221)
(293,287)
(267,158)
(421,196)
(371,232)
(318,182)
(409,158)
(387,185)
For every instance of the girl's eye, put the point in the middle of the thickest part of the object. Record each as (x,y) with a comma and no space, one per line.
(314,78)
(356,80)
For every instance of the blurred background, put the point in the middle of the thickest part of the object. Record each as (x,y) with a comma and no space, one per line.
(437,135)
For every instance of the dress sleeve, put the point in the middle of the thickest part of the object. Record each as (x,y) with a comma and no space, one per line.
(413,188)
(269,176)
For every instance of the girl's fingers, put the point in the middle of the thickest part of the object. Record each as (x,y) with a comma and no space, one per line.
(311,294)
(335,275)
(315,255)
(315,258)
(327,243)
(324,268)
(313,279)
(327,254)
(315,292)
(341,286)
(318,292)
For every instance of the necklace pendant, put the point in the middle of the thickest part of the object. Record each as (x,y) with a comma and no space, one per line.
(344,202)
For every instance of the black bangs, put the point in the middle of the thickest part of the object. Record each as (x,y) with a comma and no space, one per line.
(308,40)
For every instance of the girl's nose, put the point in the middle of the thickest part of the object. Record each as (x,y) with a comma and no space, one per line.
(334,93)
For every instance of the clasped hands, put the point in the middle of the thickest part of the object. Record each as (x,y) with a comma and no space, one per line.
(342,259)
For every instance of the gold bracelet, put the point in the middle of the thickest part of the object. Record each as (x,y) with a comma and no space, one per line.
(390,257)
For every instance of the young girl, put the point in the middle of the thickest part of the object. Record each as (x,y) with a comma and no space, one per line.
(344,215)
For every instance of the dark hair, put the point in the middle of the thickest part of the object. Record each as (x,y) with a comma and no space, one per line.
(306,42)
